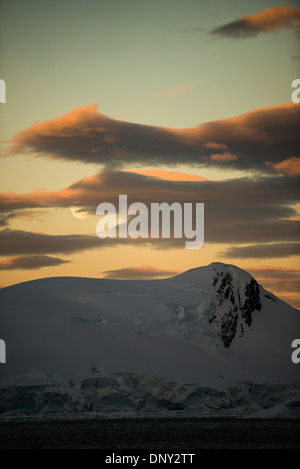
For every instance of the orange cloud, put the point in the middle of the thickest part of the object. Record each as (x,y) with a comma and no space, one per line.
(223,156)
(292,299)
(140,272)
(167,175)
(268,268)
(86,135)
(283,281)
(289,166)
(62,126)
(265,21)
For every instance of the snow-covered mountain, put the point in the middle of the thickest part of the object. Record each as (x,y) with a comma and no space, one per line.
(210,325)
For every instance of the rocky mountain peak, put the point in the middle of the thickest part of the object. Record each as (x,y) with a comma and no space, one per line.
(237,297)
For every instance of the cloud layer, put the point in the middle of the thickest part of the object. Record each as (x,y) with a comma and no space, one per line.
(263,251)
(16,242)
(30,262)
(271,19)
(243,142)
(239,211)
(140,272)
(236,211)
(283,281)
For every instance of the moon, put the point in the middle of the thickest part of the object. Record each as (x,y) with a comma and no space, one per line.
(78,214)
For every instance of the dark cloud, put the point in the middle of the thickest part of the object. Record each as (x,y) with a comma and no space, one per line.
(244,142)
(29,214)
(236,211)
(19,242)
(271,19)
(276,272)
(30,262)
(139,273)
(263,251)
(15,242)
(4,220)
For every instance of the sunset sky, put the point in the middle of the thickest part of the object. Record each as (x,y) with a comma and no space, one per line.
(168,100)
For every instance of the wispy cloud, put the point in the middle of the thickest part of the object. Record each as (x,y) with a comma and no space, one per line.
(286,278)
(25,214)
(263,251)
(140,272)
(271,19)
(30,262)
(187,30)
(283,281)
(174,92)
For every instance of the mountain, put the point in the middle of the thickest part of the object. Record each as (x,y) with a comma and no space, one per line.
(211,325)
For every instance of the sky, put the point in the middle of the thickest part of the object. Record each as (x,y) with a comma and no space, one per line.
(169,100)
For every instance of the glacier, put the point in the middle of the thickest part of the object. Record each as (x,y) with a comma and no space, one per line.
(210,339)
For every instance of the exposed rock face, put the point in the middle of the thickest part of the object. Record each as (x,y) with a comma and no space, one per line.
(236,301)
(252,301)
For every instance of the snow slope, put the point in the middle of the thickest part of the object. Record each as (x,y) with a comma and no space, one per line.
(285,410)
(210,325)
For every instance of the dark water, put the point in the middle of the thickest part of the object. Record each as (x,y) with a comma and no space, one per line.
(151,433)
